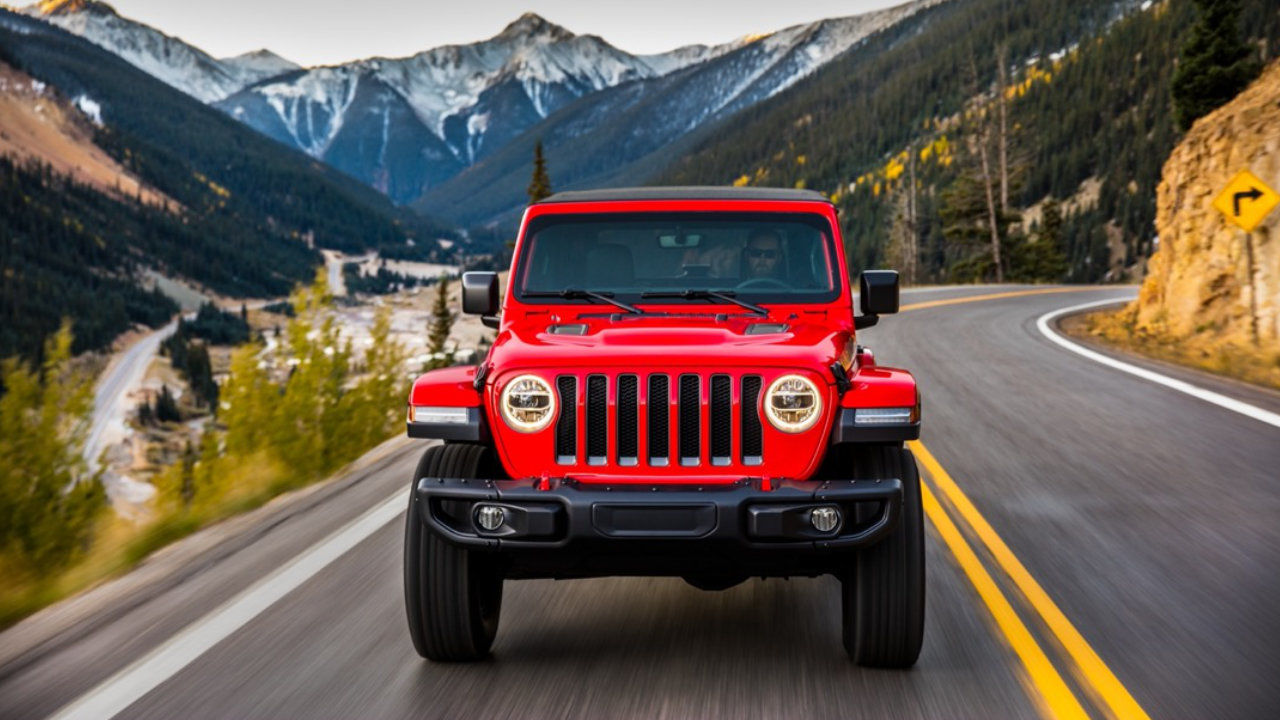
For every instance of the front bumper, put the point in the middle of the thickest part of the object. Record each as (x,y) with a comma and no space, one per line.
(754,525)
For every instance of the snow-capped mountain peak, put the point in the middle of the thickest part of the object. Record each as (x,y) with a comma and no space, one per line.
(257,65)
(404,125)
(169,59)
(71,7)
(532,25)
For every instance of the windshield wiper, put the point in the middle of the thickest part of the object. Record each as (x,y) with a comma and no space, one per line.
(579,294)
(728,296)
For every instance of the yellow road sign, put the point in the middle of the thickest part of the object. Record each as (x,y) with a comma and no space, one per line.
(1246,200)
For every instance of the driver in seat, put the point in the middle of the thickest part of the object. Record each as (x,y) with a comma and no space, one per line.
(762,256)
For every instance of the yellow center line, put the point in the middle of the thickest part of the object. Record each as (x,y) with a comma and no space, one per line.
(1098,676)
(998,296)
(1058,698)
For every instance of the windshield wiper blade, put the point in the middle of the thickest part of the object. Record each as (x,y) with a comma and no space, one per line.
(722,295)
(580,294)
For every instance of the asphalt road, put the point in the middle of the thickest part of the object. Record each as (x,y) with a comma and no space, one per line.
(1149,517)
(125,372)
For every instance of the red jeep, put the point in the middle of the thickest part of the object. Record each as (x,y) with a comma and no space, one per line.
(675,390)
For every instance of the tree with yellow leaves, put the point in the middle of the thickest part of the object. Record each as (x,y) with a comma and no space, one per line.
(49,500)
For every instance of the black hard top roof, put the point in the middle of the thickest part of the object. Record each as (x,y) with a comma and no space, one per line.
(685,193)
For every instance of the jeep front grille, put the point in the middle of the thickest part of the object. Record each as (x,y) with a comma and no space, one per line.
(607,420)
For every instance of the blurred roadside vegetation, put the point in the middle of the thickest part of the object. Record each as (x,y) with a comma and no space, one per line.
(1119,328)
(283,423)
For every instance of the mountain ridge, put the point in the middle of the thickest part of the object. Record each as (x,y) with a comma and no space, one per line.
(405,125)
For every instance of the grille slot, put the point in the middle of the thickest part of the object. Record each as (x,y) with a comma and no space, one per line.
(628,420)
(567,425)
(690,420)
(597,420)
(659,405)
(752,432)
(721,420)
(602,423)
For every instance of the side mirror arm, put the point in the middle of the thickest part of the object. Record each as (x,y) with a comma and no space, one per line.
(865,321)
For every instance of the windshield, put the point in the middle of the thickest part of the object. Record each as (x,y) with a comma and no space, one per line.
(676,257)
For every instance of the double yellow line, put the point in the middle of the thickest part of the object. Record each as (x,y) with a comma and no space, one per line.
(1056,698)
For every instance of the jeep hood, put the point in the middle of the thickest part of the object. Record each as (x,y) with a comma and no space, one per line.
(709,340)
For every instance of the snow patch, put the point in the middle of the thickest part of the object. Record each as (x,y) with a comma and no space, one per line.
(90,108)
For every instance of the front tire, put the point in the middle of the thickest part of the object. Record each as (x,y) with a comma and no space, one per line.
(453,596)
(883,594)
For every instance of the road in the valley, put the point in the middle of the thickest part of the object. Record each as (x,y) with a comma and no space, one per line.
(123,374)
(1147,517)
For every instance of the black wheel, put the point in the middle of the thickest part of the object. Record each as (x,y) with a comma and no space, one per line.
(453,596)
(883,594)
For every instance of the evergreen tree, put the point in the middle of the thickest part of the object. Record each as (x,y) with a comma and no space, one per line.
(540,184)
(1215,64)
(441,324)
(167,406)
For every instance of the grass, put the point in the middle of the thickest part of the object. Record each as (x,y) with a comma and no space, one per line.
(1202,351)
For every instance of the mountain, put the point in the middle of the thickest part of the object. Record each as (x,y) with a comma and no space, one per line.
(1090,122)
(407,126)
(627,133)
(257,65)
(169,59)
(146,179)
(404,125)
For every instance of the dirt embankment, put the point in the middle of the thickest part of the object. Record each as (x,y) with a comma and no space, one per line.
(38,124)
(1211,297)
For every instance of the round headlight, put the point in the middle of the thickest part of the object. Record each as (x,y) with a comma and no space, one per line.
(527,403)
(792,403)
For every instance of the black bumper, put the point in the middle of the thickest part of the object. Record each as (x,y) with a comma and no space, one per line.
(565,529)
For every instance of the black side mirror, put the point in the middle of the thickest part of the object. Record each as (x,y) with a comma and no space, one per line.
(878,296)
(480,293)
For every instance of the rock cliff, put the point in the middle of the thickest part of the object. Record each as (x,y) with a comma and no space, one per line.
(1209,282)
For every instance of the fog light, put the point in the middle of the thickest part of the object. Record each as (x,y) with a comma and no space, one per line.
(490,517)
(825,519)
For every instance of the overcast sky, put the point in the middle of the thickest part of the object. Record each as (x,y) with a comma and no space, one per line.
(314,32)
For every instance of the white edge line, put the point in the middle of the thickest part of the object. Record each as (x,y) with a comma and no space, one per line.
(121,690)
(1195,391)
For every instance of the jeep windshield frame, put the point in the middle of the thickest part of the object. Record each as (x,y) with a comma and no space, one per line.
(665,257)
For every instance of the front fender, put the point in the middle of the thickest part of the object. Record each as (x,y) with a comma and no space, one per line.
(874,386)
(451,387)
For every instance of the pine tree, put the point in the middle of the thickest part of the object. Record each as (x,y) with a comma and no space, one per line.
(442,319)
(540,184)
(1215,64)
(167,406)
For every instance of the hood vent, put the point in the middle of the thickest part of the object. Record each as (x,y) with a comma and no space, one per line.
(766,328)
(568,329)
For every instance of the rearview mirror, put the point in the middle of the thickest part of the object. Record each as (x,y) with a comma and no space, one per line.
(480,293)
(878,292)
(668,239)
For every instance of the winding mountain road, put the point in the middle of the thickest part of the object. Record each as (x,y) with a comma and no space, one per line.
(123,374)
(1100,545)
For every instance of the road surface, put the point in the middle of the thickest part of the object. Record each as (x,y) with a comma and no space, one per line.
(1145,517)
(109,401)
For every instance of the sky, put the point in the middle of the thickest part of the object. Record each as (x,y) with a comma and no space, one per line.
(315,32)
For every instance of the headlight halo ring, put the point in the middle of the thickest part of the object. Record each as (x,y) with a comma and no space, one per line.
(785,419)
(531,417)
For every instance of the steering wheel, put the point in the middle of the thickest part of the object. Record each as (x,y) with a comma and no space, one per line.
(764,282)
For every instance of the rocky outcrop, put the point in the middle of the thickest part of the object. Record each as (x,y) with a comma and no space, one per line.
(1209,280)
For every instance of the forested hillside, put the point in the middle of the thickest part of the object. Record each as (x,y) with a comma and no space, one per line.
(245,217)
(1084,88)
